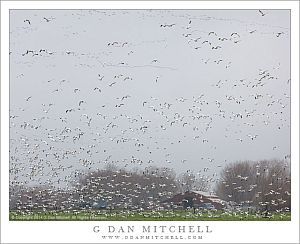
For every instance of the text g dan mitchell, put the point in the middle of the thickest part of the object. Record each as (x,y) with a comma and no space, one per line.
(153,229)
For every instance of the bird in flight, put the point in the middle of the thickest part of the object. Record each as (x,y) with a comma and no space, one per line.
(165,25)
(252,137)
(69,110)
(47,20)
(27,99)
(124,97)
(197,39)
(235,33)
(97,88)
(279,33)
(206,42)
(218,61)
(100,77)
(112,43)
(127,78)
(112,84)
(187,35)
(262,13)
(28,21)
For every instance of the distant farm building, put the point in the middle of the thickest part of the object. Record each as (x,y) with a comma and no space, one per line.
(100,204)
(195,199)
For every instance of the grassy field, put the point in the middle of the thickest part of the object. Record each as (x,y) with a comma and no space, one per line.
(166,215)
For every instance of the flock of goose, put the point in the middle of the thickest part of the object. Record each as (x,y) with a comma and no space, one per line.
(189,90)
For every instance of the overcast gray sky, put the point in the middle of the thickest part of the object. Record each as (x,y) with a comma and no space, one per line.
(184,89)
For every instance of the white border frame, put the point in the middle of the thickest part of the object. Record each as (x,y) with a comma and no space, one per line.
(82,231)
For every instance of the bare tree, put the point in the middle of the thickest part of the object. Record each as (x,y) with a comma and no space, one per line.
(126,189)
(264,184)
(189,181)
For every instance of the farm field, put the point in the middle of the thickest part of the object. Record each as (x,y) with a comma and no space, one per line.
(130,215)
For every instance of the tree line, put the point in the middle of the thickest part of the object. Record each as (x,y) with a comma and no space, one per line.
(116,188)
(263,185)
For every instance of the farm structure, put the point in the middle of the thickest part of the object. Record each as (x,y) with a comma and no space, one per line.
(195,199)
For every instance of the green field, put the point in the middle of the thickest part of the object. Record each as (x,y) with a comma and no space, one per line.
(132,215)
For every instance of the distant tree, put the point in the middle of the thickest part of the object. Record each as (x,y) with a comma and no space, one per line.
(265,184)
(273,179)
(189,181)
(41,198)
(235,181)
(14,193)
(126,189)
(117,188)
